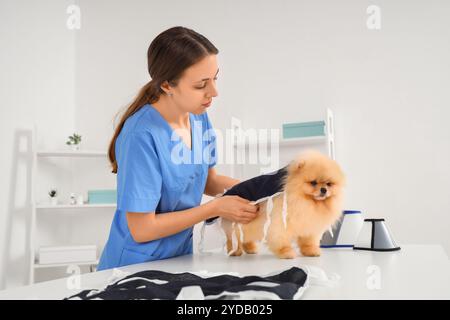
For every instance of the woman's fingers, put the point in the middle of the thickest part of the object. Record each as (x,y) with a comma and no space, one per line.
(248,216)
(242,199)
(251,208)
(244,212)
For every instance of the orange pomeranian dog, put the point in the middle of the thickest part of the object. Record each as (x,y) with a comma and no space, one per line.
(311,203)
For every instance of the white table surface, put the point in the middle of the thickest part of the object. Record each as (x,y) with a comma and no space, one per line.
(414,272)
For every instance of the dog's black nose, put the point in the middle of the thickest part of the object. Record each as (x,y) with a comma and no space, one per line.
(323,190)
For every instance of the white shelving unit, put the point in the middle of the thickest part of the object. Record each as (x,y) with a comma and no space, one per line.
(72,154)
(59,208)
(54,265)
(327,141)
(74,206)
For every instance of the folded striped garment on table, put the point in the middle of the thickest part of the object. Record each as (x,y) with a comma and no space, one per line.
(154,284)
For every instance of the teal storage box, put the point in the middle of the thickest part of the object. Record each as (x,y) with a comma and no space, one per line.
(303,129)
(102,196)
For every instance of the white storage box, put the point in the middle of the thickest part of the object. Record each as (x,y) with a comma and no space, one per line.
(52,255)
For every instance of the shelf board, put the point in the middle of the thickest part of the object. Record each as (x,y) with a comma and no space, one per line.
(53,265)
(76,206)
(289,142)
(70,153)
(305,140)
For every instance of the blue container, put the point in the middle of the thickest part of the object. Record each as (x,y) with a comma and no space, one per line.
(303,129)
(102,196)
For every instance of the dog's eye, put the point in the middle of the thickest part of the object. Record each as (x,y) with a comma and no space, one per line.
(329,184)
(314,183)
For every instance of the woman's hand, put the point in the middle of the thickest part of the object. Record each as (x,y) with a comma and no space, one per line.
(235,208)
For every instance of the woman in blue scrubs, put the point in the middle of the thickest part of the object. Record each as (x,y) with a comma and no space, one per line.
(164,152)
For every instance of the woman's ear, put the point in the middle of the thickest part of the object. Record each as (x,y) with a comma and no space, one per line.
(165,86)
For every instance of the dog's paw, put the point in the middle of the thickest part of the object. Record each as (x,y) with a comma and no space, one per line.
(235,253)
(310,251)
(286,253)
(250,247)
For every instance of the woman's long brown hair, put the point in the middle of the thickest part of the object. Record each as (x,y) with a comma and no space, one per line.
(168,56)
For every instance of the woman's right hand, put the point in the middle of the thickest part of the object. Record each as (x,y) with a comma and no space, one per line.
(235,208)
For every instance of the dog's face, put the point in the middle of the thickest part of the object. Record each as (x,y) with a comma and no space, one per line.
(319,188)
(318,177)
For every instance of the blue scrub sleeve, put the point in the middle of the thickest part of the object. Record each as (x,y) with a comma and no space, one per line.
(212,145)
(139,178)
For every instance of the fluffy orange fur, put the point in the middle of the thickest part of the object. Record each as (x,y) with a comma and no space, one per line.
(313,187)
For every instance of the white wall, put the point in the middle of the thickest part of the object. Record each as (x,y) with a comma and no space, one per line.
(280,61)
(36,88)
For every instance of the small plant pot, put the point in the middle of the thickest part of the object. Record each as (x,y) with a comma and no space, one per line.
(75,147)
(53,201)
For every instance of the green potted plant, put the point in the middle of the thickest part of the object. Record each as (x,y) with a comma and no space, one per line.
(74,141)
(53,193)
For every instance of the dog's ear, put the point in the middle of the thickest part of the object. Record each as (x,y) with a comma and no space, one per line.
(296,165)
(300,164)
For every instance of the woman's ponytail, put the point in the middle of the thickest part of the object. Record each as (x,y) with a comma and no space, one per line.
(148,94)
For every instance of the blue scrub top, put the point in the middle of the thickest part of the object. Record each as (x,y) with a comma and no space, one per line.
(157,172)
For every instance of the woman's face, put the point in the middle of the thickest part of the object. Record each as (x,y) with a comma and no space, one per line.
(197,86)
